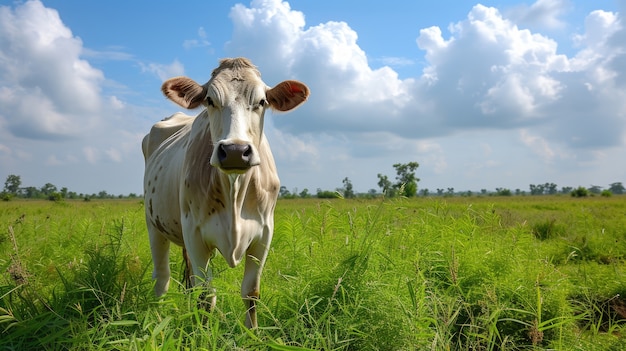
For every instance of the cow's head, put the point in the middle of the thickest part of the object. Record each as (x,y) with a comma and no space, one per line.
(235,99)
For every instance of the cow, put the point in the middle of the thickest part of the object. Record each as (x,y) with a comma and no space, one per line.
(210,181)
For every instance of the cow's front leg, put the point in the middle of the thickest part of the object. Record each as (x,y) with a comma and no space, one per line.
(160,249)
(200,257)
(250,287)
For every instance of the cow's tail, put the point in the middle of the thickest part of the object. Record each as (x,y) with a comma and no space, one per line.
(187,272)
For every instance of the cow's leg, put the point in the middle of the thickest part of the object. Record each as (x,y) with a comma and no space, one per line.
(250,286)
(160,248)
(200,257)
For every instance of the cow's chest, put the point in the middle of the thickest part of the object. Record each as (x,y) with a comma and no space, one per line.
(231,230)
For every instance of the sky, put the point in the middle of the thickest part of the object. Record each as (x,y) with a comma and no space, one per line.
(483,95)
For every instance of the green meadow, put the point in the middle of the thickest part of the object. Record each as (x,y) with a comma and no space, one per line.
(472,273)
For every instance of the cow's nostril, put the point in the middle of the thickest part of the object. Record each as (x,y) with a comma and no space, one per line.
(247,152)
(221,152)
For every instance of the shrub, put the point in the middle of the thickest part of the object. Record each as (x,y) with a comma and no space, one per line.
(580,192)
(547,229)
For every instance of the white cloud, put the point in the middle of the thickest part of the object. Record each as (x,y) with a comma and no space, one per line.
(200,42)
(45,85)
(164,71)
(538,145)
(488,74)
(542,14)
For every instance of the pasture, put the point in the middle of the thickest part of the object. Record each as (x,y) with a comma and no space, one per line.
(475,273)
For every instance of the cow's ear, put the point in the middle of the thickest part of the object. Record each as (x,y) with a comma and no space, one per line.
(184,91)
(287,95)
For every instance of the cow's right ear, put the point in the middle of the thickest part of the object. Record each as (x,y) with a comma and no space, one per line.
(184,91)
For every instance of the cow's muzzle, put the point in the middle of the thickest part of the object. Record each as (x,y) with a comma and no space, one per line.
(236,157)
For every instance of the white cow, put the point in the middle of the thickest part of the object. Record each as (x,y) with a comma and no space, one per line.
(210,181)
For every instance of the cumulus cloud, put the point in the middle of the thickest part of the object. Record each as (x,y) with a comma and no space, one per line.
(54,110)
(45,85)
(488,73)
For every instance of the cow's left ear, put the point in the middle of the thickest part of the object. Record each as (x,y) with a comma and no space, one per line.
(287,95)
(184,91)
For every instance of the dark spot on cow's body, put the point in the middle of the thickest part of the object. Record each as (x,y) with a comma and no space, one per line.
(150,207)
(153,189)
(219,201)
(160,226)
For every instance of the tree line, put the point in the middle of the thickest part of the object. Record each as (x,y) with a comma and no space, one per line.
(13,188)
(405,185)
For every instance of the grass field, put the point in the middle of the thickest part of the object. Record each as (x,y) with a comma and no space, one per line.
(492,273)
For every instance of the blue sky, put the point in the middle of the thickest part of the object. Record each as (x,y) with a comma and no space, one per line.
(481,95)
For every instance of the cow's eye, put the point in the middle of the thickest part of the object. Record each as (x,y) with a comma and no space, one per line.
(209,101)
(263,102)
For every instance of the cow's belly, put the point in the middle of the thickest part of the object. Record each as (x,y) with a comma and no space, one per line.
(161,199)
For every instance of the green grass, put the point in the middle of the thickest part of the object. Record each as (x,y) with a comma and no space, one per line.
(514,273)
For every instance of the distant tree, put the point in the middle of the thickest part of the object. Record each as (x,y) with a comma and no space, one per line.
(595,189)
(406,181)
(103,194)
(385,185)
(12,184)
(440,191)
(617,188)
(48,189)
(537,189)
(424,192)
(518,192)
(348,193)
(483,191)
(566,190)
(283,192)
(450,192)
(503,192)
(305,193)
(550,188)
(31,192)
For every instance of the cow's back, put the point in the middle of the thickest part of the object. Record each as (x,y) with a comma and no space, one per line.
(162,130)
